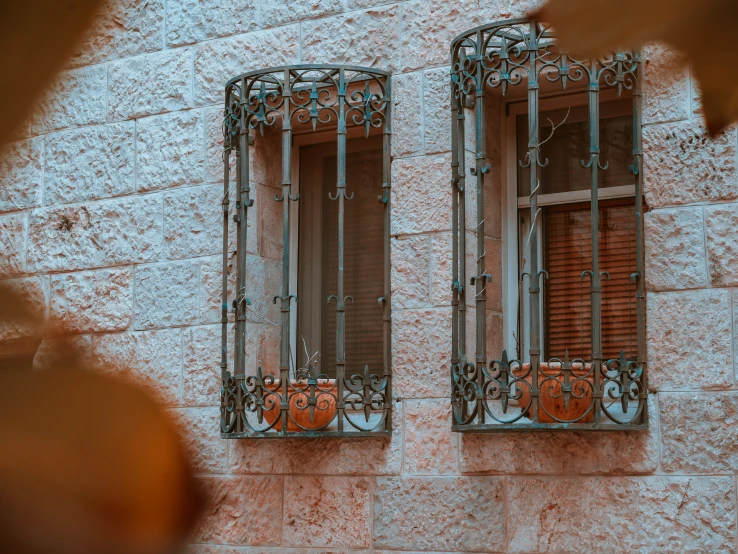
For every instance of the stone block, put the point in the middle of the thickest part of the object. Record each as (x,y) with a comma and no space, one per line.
(241,510)
(430,446)
(152,359)
(193,21)
(13,244)
(665,85)
(722,246)
(169,150)
(698,433)
(421,353)
(437,109)
(34,292)
(167,294)
(200,432)
(193,222)
(369,38)
(218,61)
(683,165)
(121,30)
(553,452)
(150,84)
(211,277)
(689,334)
(90,163)
(223,549)
(327,511)
(675,249)
(96,234)
(278,12)
(411,266)
(93,301)
(407,114)
(78,97)
(661,514)
(509,8)
(429,26)
(21,174)
(421,194)
(464,514)
(329,456)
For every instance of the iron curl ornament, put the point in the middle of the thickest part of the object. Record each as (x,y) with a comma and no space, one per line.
(498,393)
(301,402)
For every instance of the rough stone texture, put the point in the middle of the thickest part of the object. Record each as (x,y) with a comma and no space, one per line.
(21,174)
(169,150)
(370,38)
(689,340)
(152,359)
(12,244)
(440,513)
(90,163)
(421,350)
(665,85)
(683,165)
(327,511)
(421,195)
(123,28)
(411,257)
(699,434)
(552,452)
(407,114)
(220,60)
(722,248)
(167,294)
(198,429)
(76,98)
(93,301)
(95,234)
(217,549)
(193,222)
(659,514)
(150,84)
(211,277)
(675,249)
(192,21)
(437,109)
(279,12)
(328,456)
(241,510)
(430,25)
(34,292)
(430,446)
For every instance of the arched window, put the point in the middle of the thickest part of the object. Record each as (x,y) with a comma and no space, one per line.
(548,234)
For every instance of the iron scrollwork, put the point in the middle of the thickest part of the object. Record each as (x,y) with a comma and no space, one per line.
(317,97)
(491,394)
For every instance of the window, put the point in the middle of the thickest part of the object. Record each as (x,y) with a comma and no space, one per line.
(333,377)
(556,141)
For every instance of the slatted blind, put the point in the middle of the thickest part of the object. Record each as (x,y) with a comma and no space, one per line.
(568,252)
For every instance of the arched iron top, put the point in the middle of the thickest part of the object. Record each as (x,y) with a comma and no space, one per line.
(508,52)
(319,95)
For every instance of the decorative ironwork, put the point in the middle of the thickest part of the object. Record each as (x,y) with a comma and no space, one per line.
(504,394)
(298,401)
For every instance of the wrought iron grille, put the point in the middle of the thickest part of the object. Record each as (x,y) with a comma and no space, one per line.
(504,393)
(298,401)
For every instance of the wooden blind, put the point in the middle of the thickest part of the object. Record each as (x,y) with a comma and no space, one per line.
(567,303)
(363,256)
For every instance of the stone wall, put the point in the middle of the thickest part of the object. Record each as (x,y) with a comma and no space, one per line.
(110,213)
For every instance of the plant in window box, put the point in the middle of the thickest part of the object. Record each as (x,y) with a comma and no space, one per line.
(312,398)
(565,390)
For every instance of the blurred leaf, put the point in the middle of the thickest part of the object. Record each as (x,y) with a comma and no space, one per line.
(703,31)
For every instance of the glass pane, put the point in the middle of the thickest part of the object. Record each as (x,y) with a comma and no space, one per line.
(567,145)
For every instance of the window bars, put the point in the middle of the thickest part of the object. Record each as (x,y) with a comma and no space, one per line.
(297,401)
(506,393)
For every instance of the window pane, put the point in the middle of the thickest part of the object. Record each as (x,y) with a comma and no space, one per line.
(569,145)
(567,253)
(363,257)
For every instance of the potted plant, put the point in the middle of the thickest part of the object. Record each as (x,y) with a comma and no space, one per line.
(312,398)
